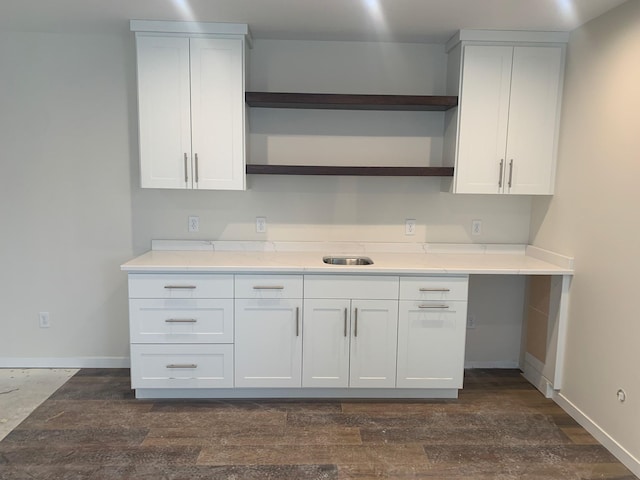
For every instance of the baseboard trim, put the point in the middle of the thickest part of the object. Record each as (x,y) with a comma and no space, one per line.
(532,371)
(64,362)
(498,364)
(617,450)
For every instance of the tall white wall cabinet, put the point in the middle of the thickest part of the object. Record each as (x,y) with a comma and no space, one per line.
(502,138)
(191,108)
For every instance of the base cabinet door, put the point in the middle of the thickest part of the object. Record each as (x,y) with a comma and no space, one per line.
(431,340)
(326,343)
(268,343)
(373,343)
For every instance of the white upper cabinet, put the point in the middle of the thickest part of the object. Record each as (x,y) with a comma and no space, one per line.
(191,111)
(508,116)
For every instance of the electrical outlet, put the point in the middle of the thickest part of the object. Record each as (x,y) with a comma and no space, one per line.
(43,318)
(476,227)
(261,224)
(471,321)
(194,224)
(410,226)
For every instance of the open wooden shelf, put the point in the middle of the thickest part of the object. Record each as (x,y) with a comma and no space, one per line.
(354,171)
(333,101)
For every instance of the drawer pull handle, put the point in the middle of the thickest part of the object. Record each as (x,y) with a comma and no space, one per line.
(180,287)
(182,365)
(433,306)
(268,287)
(435,289)
(181,320)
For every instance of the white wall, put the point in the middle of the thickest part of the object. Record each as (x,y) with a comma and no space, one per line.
(71,209)
(65,193)
(594,217)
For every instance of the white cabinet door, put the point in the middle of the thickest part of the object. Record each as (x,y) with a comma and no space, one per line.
(431,340)
(217,113)
(484,115)
(326,343)
(268,343)
(373,343)
(509,113)
(164,112)
(533,119)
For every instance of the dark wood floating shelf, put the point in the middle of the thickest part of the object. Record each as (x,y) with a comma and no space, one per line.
(354,171)
(333,101)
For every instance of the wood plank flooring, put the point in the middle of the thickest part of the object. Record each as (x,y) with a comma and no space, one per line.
(499,428)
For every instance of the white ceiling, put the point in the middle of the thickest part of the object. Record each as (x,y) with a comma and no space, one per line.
(432,21)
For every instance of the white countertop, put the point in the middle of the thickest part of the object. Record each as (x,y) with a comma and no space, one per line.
(306,257)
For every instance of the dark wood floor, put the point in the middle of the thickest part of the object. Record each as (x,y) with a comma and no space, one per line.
(499,428)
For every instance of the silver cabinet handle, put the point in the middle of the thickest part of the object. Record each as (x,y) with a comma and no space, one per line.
(433,306)
(182,365)
(180,287)
(297,321)
(181,320)
(435,289)
(186,177)
(268,287)
(510,172)
(355,327)
(345,322)
(197,175)
(500,175)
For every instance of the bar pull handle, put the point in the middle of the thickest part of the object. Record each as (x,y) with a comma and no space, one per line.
(186,176)
(345,322)
(435,289)
(180,287)
(182,365)
(197,174)
(500,174)
(181,320)
(297,321)
(433,306)
(268,287)
(355,327)
(510,172)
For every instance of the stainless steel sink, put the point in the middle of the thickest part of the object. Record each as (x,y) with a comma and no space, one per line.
(347,260)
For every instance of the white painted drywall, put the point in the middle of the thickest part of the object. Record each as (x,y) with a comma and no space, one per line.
(594,217)
(71,209)
(66,111)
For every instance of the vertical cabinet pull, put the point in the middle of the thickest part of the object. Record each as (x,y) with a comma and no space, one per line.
(186,177)
(197,175)
(355,327)
(297,321)
(500,174)
(510,172)
(345,322)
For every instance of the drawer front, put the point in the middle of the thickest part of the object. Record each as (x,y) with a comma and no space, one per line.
(434,288)
(181,366)
(180,286)
(176,320)
(268,286)
(352,286)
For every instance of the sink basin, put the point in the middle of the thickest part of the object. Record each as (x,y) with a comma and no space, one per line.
(347,260)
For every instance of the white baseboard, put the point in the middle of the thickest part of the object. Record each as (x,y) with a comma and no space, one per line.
(64,362)
(495,364)
(627,459)
(532,371)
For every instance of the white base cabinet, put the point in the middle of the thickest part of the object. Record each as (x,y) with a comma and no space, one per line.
(263,334)
(268,323)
